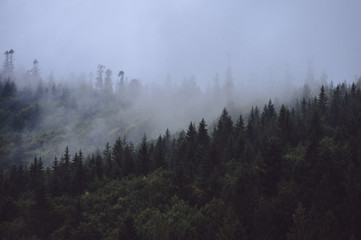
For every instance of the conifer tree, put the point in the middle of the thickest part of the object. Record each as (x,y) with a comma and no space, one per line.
(99,77)
(65,171)
(223,135)
(322,101)
(107,156)
(128,164)
(117,154)
(285,126)
(78,176)
(108,82)
(158,156)
(142,161)
(202,144)
(190,160)
(99,166)
(56,185)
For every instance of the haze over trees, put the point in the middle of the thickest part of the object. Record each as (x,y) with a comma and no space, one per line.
(113,159)
(83,112)
(180,119)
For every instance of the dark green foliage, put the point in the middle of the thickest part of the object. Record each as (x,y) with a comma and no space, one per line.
(285,126)
(143,158)
(107,156)
(159,154)
(128,164)
(322,101)
(292,174)
(117,154)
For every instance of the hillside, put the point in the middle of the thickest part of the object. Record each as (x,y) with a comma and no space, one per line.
(278,172)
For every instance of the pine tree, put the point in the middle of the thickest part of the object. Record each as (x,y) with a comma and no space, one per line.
(107,156)
(190,161)
(78,180)
(202,144)
(99,168)
(56,185)
(65,172)
(223,135)
(158,156)
(99,78)
(108,83)
(239,139)
(253,125)
(142,161)
(121,84)
(285,126)
(322,101)
(128,164)
(117,154)
(335,107)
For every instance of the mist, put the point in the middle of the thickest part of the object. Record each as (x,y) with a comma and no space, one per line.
(149,40)
(183,61)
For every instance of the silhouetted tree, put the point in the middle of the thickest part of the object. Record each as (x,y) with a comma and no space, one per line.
(117,154)
(143,159)
(108,83)
(322,101)
(107,156)
(99,77)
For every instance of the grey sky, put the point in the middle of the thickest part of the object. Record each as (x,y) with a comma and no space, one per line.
(149,39)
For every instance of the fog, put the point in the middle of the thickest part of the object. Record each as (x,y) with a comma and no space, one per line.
(151,39)
(183,61)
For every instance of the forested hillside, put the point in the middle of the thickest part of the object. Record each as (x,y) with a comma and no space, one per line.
(40,116)
(279,172)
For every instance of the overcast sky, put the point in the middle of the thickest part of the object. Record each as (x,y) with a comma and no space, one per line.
(150,39)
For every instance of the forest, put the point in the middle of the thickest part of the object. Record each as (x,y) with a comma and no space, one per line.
(279,171)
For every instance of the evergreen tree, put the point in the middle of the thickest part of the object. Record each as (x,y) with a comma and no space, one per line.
(78,181)
(203,137)
(56,178)
(65,172)
(335,107)
(202,144)
(223,135)
(99,168)
(35,72)
(108,83)
(142,161)
(322,101)
(285,126)
(117,154)
(8,65)
(128,165)
(158,156)
(99,78)
(107,156)
(269,120)
(190,161)
(253,125)
(121,84)
(239,139)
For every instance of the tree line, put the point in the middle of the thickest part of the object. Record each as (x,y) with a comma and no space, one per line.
(288,172)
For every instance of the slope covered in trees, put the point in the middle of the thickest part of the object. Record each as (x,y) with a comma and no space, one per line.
(41,115)
(281,172)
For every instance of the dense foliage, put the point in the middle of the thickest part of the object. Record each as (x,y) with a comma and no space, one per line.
(288,172)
